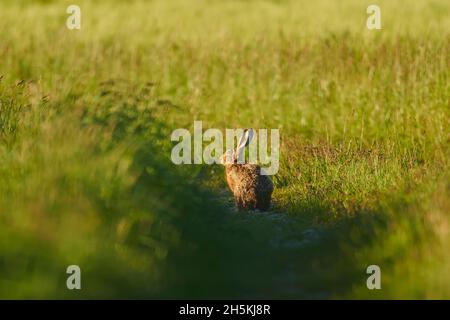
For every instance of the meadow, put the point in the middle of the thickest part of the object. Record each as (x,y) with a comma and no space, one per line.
(85,171)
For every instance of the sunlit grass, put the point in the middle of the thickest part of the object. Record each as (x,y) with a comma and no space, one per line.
(86,178)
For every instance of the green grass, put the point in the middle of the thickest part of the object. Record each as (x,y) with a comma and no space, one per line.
(85,170)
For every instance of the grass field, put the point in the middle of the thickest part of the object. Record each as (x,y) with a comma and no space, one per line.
(85,170)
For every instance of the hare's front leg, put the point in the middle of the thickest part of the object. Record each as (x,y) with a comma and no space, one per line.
(239,203)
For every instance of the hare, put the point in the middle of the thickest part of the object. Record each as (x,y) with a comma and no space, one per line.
(251,190)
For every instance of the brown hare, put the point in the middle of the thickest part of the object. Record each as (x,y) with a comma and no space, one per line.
(251,190)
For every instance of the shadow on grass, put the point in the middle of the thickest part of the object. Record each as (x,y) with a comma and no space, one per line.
(112,202)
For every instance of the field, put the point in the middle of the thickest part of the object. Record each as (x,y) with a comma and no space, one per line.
(85,171)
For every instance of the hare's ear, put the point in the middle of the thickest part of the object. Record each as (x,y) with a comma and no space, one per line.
(245,138)
(243,142)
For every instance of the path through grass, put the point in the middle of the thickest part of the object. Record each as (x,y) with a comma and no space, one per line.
(85,170)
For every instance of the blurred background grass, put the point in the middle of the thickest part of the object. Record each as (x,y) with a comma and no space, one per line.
(85,170)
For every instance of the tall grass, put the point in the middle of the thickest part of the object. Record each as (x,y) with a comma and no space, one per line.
(85,170)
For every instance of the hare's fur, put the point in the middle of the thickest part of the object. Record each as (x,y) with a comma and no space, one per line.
(251,190)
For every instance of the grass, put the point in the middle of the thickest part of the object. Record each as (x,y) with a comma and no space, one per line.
(85,170)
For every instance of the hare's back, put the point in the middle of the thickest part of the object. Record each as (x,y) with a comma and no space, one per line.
(249,176)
